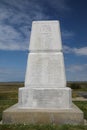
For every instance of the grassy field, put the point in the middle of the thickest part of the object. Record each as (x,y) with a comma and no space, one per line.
(42,127)
(9,96)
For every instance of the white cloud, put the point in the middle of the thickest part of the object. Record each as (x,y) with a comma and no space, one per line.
(10,39)
(67,49)
(58,5)
(77,68)
(80,51)
(77,51)
(77,72)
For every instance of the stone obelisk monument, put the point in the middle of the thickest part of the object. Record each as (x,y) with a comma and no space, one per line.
(45,97)
(45,81)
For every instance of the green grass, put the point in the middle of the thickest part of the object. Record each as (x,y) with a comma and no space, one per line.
(8,95)
(5,104)
(42,127)
(83,106)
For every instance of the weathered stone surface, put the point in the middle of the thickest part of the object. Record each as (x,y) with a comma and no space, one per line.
(45,35)
(45,82)
(59,98)
(45,70)
(14,115)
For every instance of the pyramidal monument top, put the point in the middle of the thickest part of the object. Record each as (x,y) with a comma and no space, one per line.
(45,36)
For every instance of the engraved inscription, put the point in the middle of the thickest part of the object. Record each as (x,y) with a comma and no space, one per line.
(46,39)
(46,36)
(45,29)
(45,69)
(43,97)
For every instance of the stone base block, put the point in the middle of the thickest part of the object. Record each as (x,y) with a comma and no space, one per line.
(45,98)
(14,115)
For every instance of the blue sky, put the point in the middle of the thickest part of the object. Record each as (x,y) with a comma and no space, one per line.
(16,17)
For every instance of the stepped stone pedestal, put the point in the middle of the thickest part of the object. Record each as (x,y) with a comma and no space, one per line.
(45,97)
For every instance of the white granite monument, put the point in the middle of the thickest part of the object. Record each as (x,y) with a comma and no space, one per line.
(45,98)
(45,81)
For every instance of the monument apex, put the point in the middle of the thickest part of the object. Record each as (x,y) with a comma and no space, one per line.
(45,36)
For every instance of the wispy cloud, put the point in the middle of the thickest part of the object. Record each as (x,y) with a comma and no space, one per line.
(77,68)
(66,34)
(10,39)
(15,23)
(81,51)
(16,17)
(58,5)
(77,51)
(67,49)
(77,72)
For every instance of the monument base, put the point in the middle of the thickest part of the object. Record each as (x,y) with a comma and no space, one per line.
(14,115)
(48,98)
